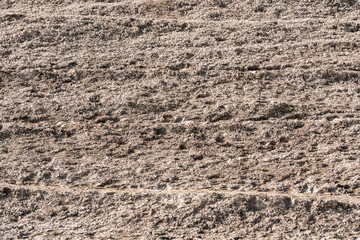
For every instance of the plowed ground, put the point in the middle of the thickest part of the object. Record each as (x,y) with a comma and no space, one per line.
(174,119)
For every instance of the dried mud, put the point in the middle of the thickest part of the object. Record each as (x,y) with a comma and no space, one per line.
(173,119)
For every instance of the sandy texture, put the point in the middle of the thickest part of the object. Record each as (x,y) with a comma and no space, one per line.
(174,119)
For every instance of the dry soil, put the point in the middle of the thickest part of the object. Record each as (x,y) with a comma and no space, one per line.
(179,119)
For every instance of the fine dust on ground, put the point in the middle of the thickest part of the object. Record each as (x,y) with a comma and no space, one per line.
(174,119)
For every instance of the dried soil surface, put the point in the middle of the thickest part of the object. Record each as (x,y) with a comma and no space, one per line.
(177,119)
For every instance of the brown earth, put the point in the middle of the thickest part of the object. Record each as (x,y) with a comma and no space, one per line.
(174,119)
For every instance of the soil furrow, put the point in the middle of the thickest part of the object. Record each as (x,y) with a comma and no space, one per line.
(64,189)
(232,22)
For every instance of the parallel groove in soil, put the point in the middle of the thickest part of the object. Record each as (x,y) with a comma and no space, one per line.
(64,189)
(184,20)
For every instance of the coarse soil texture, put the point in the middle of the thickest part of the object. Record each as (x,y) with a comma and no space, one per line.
(179,119)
